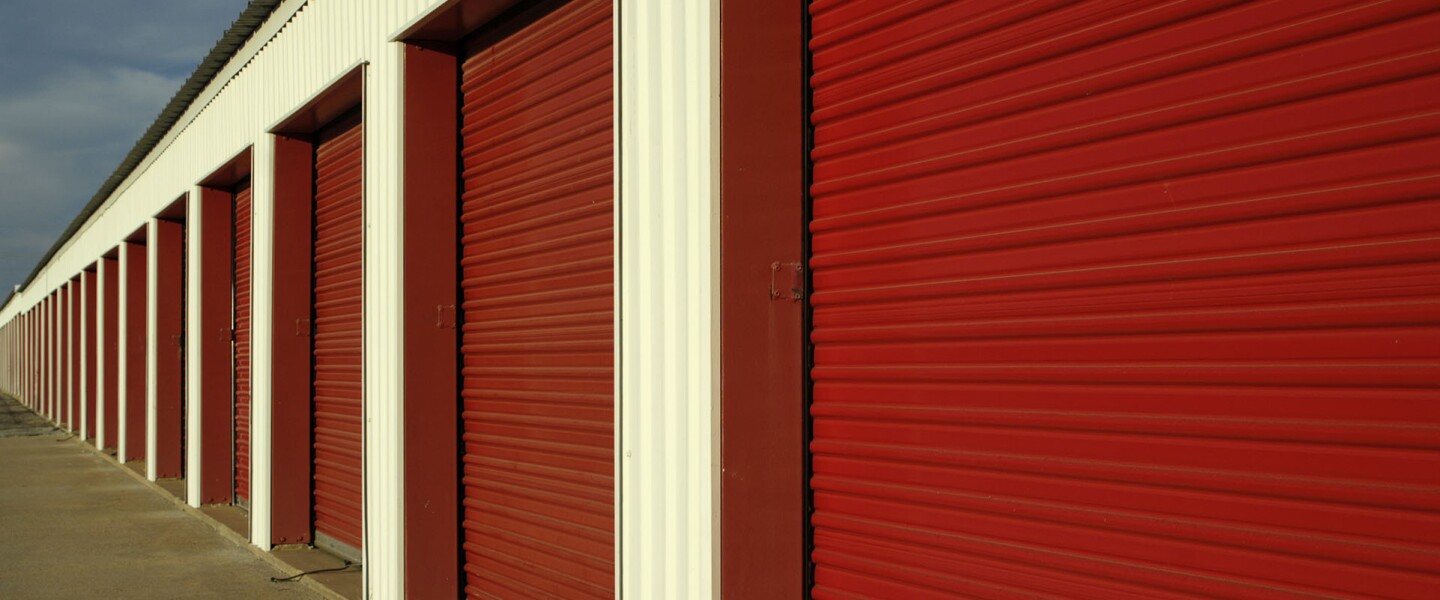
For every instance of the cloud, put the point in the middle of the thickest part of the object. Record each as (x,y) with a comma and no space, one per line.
(59,140)
(79,83)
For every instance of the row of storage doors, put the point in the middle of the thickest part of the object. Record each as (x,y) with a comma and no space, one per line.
(1109,300)
(536,283)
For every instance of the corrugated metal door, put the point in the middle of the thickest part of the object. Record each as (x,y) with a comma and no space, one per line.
(536,279)
(1126,299)
(242,343)
(338,325)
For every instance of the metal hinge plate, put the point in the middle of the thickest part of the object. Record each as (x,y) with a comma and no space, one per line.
(787,281)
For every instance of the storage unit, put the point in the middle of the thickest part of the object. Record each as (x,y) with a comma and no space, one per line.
(536,270)
(338,288)
(1125,299)
(132,345)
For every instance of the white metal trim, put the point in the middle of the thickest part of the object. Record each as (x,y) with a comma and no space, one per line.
(122,329)
(262,228)
(668,204)
(152,260)
(100,341)
(84,359)
(194,405)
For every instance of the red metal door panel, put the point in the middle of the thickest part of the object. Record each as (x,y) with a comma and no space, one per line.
(537,340)
(110,352)
(134,348)
(1118,299)
(169,249)
(242,342)
(338,324)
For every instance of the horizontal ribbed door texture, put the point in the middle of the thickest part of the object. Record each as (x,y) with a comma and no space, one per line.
(338,325)
(1126,299)
(537,339)
(242,342)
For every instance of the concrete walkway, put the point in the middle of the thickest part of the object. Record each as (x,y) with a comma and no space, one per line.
(73,525)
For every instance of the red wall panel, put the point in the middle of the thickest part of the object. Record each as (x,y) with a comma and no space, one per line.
(169,249)
(92,356)
(134,348)
(291,354)
(217,361)
(110,351)
(431,289)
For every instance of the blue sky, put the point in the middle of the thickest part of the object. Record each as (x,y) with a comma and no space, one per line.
(80,80)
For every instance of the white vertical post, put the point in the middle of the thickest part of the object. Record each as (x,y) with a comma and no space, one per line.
(262,203)
(194,432)
(101,281)
(668,266)
(85,324)
(152,262)
(384,473)
(69,359)
(122,330)
(65,366)
(48,329)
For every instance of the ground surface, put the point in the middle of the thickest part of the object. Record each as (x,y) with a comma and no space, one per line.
(16,420)
(75,526)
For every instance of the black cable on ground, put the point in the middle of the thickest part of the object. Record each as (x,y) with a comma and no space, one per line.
(297,576)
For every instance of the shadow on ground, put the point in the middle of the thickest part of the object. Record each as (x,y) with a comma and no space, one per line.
(16,420)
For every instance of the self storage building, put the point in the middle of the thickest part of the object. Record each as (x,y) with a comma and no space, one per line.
(780,299)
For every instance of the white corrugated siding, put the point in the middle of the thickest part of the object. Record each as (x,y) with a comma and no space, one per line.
(668,253)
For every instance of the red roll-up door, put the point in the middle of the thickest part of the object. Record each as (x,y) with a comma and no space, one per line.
(536,276)
(242,342)
(1126,299)
(338,324)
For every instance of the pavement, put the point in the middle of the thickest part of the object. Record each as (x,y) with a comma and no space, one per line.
(16,420)
(75,525)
